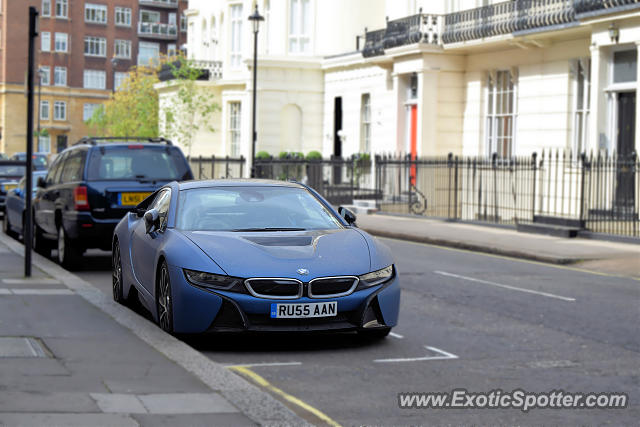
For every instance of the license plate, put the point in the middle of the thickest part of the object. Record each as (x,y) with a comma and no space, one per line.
(132,199)
(298,311)
(9,187)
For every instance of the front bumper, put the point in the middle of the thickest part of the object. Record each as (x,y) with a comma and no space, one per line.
(196,310)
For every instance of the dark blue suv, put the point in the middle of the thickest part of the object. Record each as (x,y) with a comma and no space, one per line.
(93,184)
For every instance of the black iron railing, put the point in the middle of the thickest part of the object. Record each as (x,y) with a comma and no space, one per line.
(217,167)
(585,8)
(599,193)
(373,43)
(419,28)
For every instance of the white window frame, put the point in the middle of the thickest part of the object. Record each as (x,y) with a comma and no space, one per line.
(119,46)
(44,143)
(60,76)
(95,13)
(45,10)
(581,74)
(235,46)
(141,45)
(125,14)
(299,31)
(495,115)
(45,71)
(118,78)
(153,13)
(88,109)
(235,128)
(60,111)
(62,8)
(45,41)
(95,46)
(365,123)
(94,79)
(45,108)
(61,38)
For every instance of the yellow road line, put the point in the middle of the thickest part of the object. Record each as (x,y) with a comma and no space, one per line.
(511,258)
(245,371)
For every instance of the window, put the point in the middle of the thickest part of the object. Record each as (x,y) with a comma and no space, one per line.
(122,49)
(183,24)
(234,129)
(123,16)
(365,123)
(45,41)
(149,16)
(61,42)
(95,13)
(45,76)
(88,111)
(60,76)
(44,144)
(236,35)
(44,110)
(60,110)
(625,65)
(581,70)
(95,79)
(118,79)
(95,46)
(148,53)
(171,49)
(299,26)
(172,19)
(62,8)
(73,166)
(46,8)
(501,113)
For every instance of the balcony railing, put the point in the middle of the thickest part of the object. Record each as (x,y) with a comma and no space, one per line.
(506,18)
(169,4)
(585,8)
(209,70)
(214,68)
(420,28)
(157,30)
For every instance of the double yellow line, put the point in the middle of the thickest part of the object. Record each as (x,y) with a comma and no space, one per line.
(260,381)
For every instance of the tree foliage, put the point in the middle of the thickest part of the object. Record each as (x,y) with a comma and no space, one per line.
(132,110)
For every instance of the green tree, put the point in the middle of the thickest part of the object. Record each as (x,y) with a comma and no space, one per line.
(132,110)
(190,107)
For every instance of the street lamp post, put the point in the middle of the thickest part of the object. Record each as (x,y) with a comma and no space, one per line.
(255,19)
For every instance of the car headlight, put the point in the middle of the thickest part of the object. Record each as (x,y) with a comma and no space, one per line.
(214,281)
(375,277)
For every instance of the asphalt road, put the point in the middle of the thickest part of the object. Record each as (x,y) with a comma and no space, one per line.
(467,320)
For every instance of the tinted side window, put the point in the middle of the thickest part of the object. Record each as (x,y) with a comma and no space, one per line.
(54,173)
(73,166)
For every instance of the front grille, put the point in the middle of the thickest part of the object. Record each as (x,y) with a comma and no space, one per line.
(274,288)
(328,287)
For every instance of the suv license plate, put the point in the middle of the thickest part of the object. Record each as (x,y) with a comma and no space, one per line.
(132,199)
(298,311)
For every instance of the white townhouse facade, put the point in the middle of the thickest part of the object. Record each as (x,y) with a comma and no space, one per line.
(427,77)
(293,40)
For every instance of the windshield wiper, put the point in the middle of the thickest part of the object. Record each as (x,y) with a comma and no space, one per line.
(269,229)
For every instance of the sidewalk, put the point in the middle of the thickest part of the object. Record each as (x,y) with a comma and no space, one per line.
(70,356)
(597,255)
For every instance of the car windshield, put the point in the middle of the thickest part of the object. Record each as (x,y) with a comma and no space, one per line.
(11,170)
(138,162)
(252,208)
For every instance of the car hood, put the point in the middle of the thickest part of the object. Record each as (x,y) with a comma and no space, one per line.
(282,254)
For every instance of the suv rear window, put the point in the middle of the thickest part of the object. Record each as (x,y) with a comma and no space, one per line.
(138,162)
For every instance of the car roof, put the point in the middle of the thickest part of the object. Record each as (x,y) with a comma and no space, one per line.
(188,185)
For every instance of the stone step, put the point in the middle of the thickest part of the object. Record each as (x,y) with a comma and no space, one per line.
(550,230)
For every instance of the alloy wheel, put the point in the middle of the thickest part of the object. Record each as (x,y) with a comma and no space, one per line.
(117,274)
(164,300)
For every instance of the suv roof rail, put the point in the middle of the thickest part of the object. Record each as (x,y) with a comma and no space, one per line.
(94,140)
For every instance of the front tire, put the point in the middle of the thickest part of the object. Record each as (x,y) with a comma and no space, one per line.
(67,255)
(116,274)
(164,300)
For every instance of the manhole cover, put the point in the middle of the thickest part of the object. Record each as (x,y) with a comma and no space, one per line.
(21,347)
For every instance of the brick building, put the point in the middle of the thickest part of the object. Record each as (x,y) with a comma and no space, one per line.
(84,50)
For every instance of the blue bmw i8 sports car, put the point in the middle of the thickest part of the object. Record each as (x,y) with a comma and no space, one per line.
(251,255)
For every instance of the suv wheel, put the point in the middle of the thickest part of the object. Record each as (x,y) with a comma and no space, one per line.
(39,244)
(67,254)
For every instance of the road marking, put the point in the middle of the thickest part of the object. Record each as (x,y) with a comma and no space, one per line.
(444,355)
(246,372)
(510,258)
(393,334)
(31,280)
(499,285)
(4,291)
(251,365)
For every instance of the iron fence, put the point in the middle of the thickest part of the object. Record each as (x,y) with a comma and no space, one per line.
(216,167)
(339,180)
(599,193)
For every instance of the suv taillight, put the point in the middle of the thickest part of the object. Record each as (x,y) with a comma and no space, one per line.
(80,198)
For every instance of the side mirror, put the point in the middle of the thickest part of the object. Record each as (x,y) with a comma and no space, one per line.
(140,212)
(41,183)
(151,220)
(348,216)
